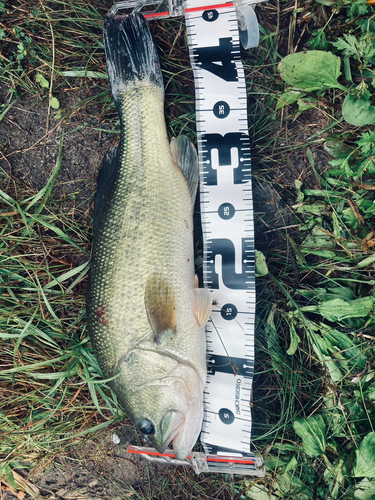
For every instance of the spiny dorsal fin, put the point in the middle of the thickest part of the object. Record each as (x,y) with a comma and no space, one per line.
(106,174)
(185,156)
(160,306)
(202,305)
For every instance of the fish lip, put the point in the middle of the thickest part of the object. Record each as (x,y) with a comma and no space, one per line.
(170,438)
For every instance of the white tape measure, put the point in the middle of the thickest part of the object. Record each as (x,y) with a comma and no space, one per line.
(227,226)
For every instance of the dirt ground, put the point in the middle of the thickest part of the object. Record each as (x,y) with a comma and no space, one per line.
(98,470)
(30,152)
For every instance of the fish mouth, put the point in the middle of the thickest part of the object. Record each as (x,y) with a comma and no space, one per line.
(174,419)
(186,429)
(187,435)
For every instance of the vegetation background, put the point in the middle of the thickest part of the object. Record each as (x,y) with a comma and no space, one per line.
(312,115)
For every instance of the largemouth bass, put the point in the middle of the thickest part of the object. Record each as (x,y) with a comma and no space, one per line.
(146,314)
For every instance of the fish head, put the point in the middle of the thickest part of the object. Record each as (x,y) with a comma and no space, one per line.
(166,405)
(172,411)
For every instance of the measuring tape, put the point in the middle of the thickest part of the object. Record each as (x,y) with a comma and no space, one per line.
(227,226)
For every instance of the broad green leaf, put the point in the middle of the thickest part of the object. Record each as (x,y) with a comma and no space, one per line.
(339,309)
(326,254)
(321,347)
(312,70)
(367,261)
(350,218)
(310,208)
(312,433)
(259,492)
(42,81)
(294,339)
(272,463)
(54,102)
(287,484)
(300,195)
(305,104)
(6,471)
(365,490)
(338,474)
(336,226)
(370,393)
(365,457)
(358,111)
(292,464)
(335,149)
(318,238)
(341,341)
(288,97)
(310,157)
(83,73)
(261,268)
(343,292)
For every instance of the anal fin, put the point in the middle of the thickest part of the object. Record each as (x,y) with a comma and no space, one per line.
(202,305)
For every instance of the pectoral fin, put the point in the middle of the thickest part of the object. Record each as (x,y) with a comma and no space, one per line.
(202,305)
(185,155)
(160,306)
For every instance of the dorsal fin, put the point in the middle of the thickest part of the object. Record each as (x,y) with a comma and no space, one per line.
(106,174)
(185,156)
(160,306)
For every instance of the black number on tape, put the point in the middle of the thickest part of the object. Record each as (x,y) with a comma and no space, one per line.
(226,416)
(218,60)
(228,312)
(231,279)
(224,145)
(210,15)
(226,211)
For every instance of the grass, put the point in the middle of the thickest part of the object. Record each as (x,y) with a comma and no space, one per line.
(314,395)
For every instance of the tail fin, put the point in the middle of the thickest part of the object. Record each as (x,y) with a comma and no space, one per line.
(130,51)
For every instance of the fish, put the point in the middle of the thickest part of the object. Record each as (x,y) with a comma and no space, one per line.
(146,314)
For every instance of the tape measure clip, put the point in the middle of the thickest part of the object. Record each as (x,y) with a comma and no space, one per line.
(225,464)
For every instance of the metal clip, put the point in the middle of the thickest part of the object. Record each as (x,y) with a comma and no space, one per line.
(161,9)
(246,466)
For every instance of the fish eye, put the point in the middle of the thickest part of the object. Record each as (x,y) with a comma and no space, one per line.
(145,426)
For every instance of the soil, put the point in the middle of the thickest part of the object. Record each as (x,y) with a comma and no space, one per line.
(29,150)
(98,470)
